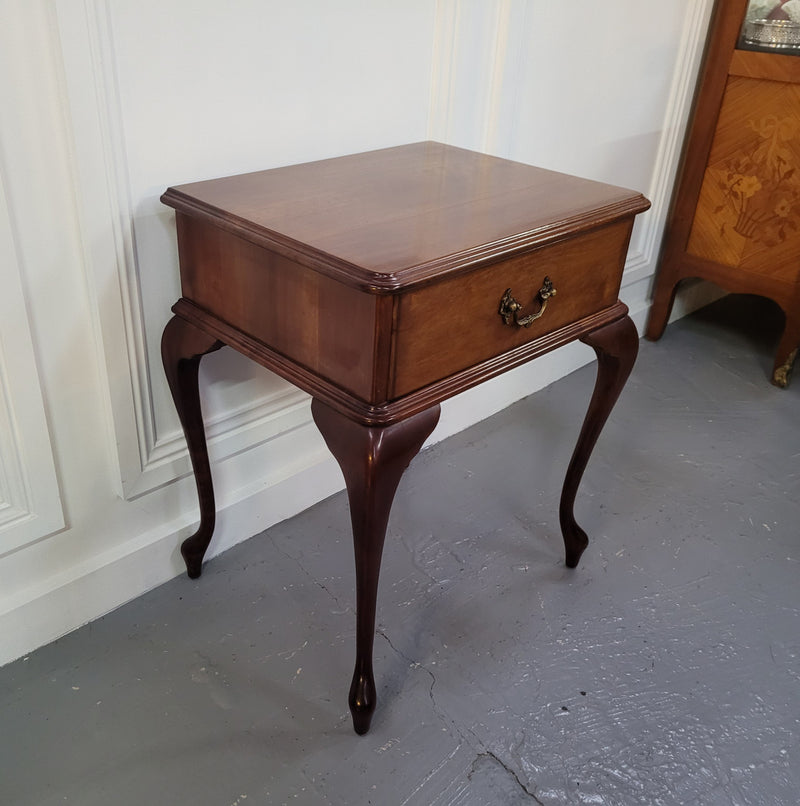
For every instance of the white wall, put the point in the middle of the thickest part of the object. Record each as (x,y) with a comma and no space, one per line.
(106,102)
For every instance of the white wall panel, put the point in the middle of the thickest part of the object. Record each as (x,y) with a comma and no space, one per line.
(30,503)
(30,500)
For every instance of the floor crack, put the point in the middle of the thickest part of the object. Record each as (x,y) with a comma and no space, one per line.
(417,563)
(471,740)
(509,770)
(342,608)
(417,665)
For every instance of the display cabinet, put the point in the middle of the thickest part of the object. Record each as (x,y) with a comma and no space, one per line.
(735,215)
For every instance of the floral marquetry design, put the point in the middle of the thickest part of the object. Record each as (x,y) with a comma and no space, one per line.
(748,212)
(759,187)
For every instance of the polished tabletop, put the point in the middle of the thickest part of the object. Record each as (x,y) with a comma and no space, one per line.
(396,216)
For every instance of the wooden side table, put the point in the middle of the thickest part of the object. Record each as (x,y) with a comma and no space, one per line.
(382,283)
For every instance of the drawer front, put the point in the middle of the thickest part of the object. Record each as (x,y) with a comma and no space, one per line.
(454,324)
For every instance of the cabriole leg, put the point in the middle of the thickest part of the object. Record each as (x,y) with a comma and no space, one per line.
(616,346)
(182,347)
(372,460)
(661,306)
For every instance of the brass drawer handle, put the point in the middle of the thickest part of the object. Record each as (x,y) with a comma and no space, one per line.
(510,309)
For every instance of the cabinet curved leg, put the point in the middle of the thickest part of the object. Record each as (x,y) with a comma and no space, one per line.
(616,346)
(661,306)
(372,460)
(182,347)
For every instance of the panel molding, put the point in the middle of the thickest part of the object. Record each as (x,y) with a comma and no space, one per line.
(15,503)
(442,92)
(30,498)
(144,458)
(506,58)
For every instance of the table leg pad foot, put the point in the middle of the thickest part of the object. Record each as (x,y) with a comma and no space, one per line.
(362,702)
(193,559)
(575,544)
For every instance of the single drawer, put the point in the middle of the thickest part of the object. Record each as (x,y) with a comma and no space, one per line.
(454,324)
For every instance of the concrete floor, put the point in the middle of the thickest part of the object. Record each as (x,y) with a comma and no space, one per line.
(665,670)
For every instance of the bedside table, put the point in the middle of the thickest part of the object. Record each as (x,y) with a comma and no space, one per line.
(383,283)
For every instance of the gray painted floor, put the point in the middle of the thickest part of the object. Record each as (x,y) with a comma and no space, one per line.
(665,670)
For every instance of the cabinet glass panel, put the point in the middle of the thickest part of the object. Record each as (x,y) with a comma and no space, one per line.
(772,26)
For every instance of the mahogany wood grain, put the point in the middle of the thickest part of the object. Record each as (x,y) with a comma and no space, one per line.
(455,324)
(392,218)
(372,459)
(182,347)
(616,346)
(314,320)
(391,411)
(373,282)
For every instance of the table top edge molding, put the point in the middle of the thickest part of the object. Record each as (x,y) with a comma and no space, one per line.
(384,283)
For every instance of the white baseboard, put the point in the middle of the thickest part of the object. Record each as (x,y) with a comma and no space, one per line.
(149,560)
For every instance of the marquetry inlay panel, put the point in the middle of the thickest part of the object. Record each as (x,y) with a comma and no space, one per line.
(748,214)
